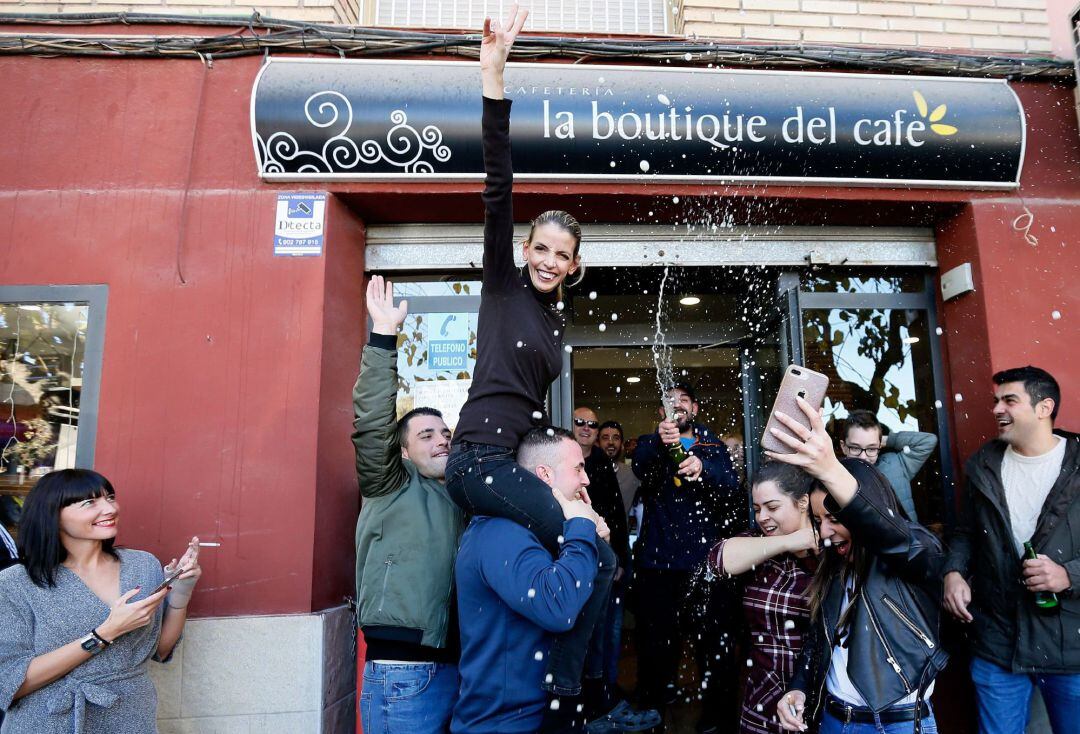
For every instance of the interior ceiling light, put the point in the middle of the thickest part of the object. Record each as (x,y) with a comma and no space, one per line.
(633,380)
(689,300)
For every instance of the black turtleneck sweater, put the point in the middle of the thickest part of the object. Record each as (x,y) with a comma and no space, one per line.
(519,331)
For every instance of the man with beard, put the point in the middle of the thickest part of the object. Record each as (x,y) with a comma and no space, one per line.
(687,508)
(610,442)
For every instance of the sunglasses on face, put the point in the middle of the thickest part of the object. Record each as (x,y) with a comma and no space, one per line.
(579,422)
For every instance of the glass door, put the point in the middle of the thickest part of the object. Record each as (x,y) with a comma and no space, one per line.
(874,333)
(775,343)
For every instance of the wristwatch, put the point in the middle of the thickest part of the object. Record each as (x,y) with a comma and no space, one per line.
(94,643)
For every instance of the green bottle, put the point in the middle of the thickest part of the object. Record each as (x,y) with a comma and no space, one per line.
(1045,600)
(678,455)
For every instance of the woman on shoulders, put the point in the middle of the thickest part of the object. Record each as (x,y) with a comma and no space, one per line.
(774,566)
(80,618)
(519,353)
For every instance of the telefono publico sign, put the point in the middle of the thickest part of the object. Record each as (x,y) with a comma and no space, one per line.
(323,120)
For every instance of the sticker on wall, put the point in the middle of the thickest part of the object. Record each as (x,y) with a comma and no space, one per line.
(448,341)
(298,224)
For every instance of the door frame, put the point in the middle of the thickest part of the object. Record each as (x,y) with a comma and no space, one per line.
(794,301)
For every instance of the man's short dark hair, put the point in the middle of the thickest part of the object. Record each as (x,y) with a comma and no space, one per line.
(687,388)
(403,424)
(612,424)
(861,419)
(1038,383)
(536,445)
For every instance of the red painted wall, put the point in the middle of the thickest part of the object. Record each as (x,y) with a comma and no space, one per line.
(225,399)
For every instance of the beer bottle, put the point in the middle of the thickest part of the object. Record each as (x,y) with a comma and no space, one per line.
(1044,600)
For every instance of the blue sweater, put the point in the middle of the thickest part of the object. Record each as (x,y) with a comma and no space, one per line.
(512,597)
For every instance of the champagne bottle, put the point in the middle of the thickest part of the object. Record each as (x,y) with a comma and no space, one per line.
(678,455)
(676,452)
(1044,600)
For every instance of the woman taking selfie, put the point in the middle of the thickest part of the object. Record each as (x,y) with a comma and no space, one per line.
(80,618)
(519,354)
(873,650)
(773,567)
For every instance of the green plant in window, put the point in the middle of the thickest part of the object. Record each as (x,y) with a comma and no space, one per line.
(36,445)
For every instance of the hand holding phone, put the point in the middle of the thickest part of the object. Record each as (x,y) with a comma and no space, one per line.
(169,578)
(798,382)
(182,575)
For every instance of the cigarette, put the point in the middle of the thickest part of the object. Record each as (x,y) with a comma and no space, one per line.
(209,545)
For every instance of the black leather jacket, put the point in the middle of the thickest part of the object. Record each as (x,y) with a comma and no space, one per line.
(893,636)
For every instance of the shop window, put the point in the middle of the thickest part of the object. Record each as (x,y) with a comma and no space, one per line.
(437,345)
(50,355)
(645,17)
(835,280)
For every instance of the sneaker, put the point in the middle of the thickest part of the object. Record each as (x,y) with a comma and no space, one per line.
(624,718)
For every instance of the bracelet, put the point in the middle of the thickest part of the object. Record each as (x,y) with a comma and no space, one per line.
(99,638)
(170,606)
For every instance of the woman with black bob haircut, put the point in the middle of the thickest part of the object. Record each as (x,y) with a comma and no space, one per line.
(874,647)
(80,618)
(519,354)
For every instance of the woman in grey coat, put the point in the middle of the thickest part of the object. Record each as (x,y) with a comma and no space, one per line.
(80,619)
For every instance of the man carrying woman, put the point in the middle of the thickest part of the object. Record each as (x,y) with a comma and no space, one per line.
(520,353)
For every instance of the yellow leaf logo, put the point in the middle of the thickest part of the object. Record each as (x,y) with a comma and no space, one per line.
(934,117)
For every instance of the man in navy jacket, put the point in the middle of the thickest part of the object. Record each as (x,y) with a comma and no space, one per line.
(513,597)
(687,509)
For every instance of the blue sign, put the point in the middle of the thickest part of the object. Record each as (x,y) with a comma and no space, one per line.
(298,224)
(448,341)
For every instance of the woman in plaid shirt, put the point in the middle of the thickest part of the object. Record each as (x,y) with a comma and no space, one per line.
(774,566)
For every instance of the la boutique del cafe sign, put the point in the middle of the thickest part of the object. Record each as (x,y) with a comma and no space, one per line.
(322,120)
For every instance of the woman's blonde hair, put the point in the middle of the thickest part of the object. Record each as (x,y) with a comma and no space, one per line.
(568,222)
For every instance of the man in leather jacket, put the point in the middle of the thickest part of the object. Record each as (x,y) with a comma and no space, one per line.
(882,617)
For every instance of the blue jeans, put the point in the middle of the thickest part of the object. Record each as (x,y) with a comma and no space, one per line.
(603,658)
(408,697)
(832,725)
(487,480)
(1004,698)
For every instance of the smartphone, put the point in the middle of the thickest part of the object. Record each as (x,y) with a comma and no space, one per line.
(173,576)
(798,382)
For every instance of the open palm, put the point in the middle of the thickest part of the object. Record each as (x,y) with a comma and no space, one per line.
(499,38)
(385,317)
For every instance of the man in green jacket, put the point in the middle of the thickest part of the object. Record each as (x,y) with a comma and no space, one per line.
(406,543)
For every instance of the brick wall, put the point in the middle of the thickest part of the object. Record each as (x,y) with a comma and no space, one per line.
(313,11)
(975,25)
